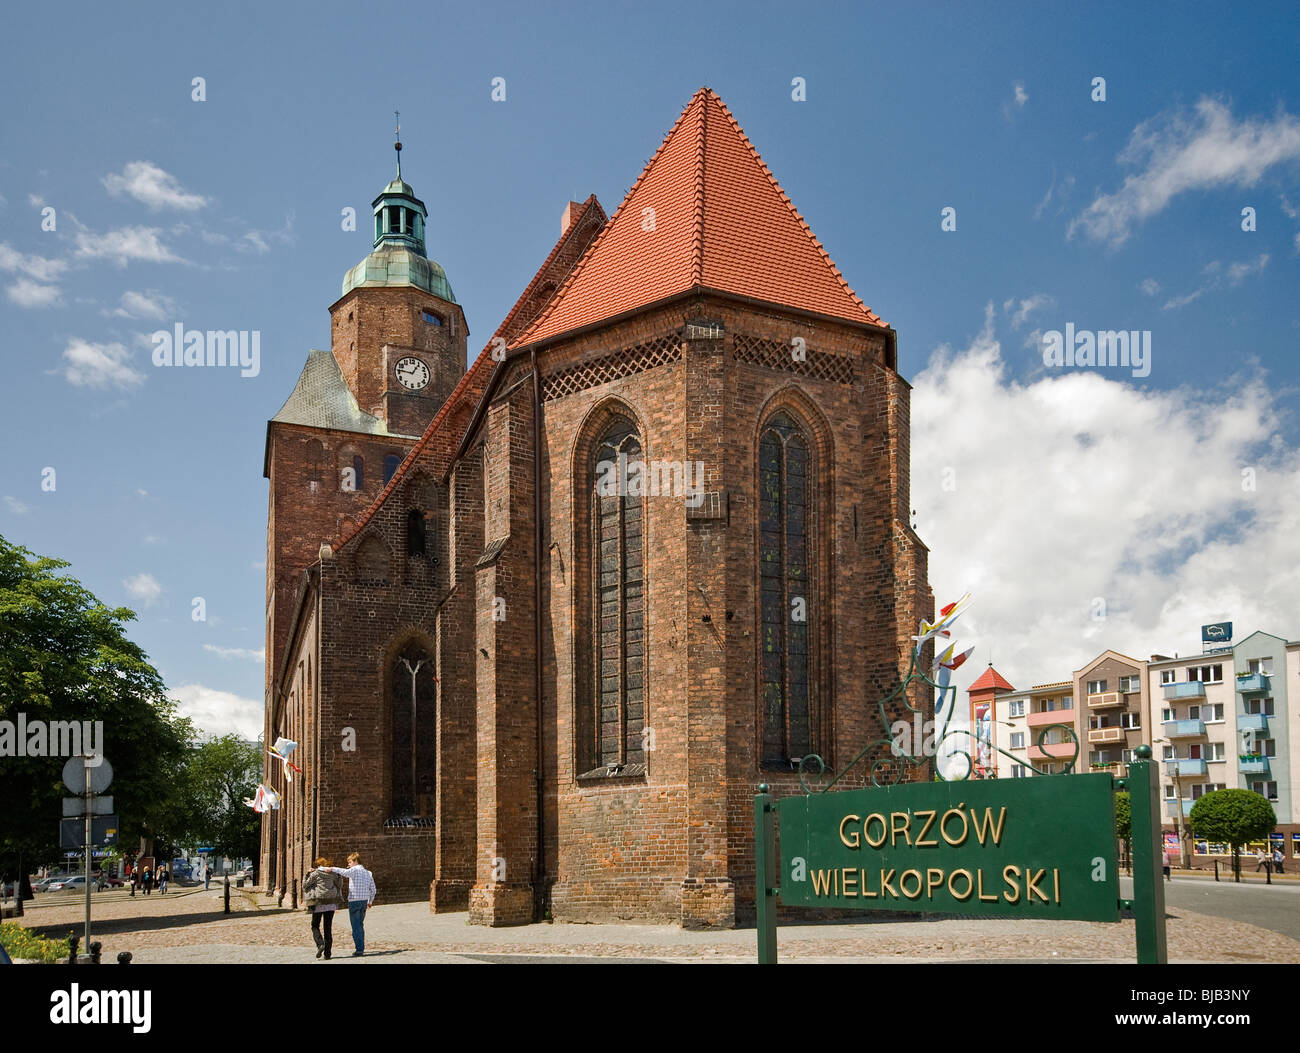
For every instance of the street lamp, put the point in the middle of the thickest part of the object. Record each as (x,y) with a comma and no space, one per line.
(1178,791)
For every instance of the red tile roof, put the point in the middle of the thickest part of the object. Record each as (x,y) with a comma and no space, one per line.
(718,219)
(990,678)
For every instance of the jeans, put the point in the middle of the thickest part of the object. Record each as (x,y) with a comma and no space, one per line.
(357,913)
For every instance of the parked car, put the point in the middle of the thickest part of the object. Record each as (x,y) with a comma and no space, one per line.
(43,885)
(111,882)
(76,883)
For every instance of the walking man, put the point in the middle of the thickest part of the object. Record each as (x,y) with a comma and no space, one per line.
(361,894)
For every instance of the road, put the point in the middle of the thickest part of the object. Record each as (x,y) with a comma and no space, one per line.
(1275,907)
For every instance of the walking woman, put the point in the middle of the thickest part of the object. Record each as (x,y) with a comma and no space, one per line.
(322,893)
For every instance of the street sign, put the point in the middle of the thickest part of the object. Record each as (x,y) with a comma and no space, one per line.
(74,775)
(1035,848)
(103,831)
(75,807)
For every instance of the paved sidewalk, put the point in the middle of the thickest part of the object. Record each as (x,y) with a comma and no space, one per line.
(193,929)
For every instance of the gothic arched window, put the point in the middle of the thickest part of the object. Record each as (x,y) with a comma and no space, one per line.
(412,697)
(616,576)
(391,463)
(784,498)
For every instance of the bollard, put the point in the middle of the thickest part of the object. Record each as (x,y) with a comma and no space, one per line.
(123,957)
(73,940)
(1216,870)
(1268,873)
(227,910)
(95,949)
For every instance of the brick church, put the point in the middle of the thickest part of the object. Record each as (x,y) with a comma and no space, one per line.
(541,626)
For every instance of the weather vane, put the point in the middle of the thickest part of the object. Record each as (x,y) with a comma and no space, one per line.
(397,118)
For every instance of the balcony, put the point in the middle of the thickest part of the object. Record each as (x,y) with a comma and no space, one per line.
(1051,716)
(1191,689)
(1255,766)
(1253,722)
(1184,729)
(1251,683)
(1185,767)
(1052,751)
(1110,767)
(1106,698)
(1171,807)
(1105,735)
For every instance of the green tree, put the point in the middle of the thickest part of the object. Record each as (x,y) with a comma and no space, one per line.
(65,656)
(1124,824)
(1234,816)
(219,774)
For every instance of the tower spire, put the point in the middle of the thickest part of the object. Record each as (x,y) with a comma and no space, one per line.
(397,145)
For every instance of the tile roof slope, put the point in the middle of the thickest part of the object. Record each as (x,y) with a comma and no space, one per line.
(322,399)
(721,220)
(475,379)
(990,678)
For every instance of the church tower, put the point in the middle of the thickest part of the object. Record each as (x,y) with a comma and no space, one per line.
(397,350)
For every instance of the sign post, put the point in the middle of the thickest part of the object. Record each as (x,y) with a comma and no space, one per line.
(764,872)
(87,775)
(1148,879)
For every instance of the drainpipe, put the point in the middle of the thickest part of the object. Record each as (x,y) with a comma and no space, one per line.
(540,871)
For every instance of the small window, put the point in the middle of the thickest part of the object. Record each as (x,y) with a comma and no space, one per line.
(1193,712)
(1096,687)
(359,471)
(1167,675)
(416,539)
(1167,714)
(1017,740)
(431,319)
(1017,708)
(391,461)
(1017,771)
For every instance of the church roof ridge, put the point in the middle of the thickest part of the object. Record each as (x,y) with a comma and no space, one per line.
(464,384)
(719,219)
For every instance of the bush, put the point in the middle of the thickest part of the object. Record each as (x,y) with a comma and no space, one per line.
(23,943)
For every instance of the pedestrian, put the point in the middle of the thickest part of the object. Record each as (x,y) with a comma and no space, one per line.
(1263,862)
(1277,860)
(1164,862)
(146,879)
(162,879)
(322,893)
(207,876)
(361,894)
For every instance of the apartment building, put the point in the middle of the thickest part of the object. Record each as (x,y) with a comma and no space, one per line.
(1113,712)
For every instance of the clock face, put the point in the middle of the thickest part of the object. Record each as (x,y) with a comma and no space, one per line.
(412,373)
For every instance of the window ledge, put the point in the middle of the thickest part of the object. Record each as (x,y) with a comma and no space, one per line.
(607,772)
(411,821)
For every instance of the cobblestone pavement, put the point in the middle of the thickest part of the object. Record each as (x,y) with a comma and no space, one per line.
(189,927)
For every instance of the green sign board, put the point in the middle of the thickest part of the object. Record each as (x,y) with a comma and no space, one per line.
(1034,848)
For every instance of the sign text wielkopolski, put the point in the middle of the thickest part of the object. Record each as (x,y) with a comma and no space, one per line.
(1012,847)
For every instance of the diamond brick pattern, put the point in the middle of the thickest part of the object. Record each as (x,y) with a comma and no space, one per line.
(774,354)
(653,353)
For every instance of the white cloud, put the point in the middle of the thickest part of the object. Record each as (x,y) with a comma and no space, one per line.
(27,293)
(1027,307)
(15,506)
(153,539)
(88,365)
(1149,287)
(38,268)
(124,245)
(36,201)
(219,712)
(1021,96)
(150,185)
(1065,492)
(144,588)
(1217,278)
(245,653)
(149,304)
(1178,154)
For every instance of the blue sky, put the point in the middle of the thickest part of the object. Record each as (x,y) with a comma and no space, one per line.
(1040,489)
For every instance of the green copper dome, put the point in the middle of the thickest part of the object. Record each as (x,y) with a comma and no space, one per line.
(392,264)
(399,256)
